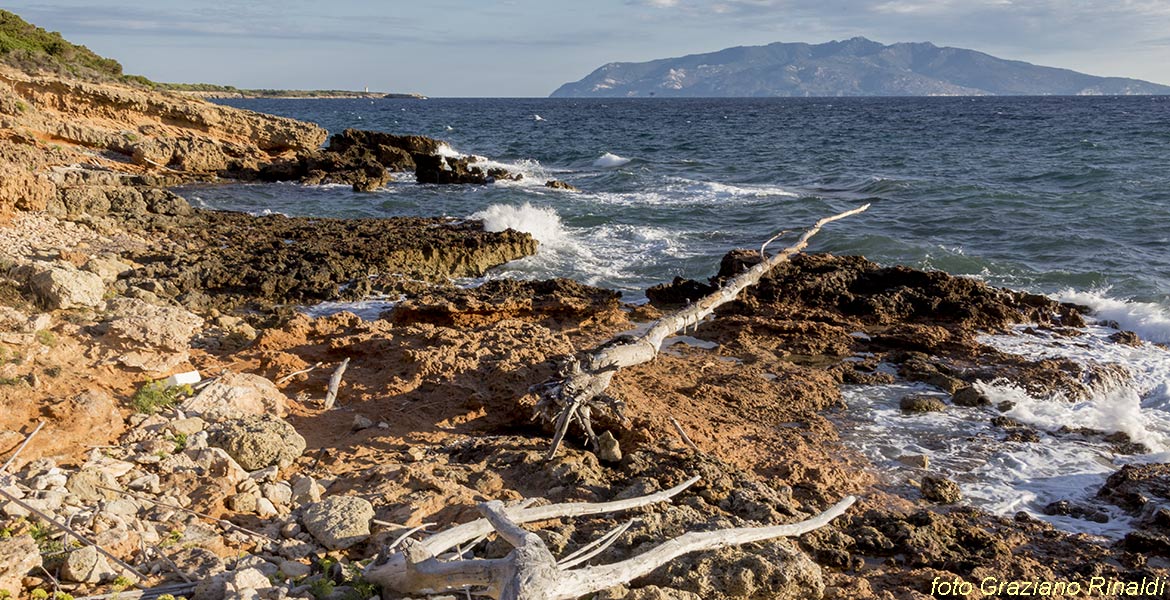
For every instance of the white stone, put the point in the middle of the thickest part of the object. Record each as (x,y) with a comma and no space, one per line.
(60,287)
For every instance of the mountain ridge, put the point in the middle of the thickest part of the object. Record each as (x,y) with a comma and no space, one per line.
(853,67)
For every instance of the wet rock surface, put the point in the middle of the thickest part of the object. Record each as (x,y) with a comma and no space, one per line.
(220,260)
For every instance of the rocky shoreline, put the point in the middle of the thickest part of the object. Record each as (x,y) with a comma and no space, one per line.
(244,484)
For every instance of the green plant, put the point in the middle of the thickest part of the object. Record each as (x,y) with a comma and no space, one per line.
(39,594)
(43,535)
(5,594)
(120,583)
(62,596)
(321,588)
(11,380)
(21,107)
(46,338)
(180,440)
(154,396)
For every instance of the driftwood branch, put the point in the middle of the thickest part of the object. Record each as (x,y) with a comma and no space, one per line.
(530,572)
(683,434)
(582,382)
(334,382)
(28,439)
(69,530)
(295,373)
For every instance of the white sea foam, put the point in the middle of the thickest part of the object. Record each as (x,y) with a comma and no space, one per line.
(610,160)
(608,254)
(537,118)
(742,190)
(448,151)
(1148,320)
(542,223)
(367,310)
(679,191)
(1006,477)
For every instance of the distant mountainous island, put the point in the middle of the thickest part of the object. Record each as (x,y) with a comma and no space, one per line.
(855,67)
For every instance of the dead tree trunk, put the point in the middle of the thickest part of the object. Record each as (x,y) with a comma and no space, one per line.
(582,382)
(530,572)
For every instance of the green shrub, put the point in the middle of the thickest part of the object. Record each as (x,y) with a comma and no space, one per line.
(29,47)
(154,396)
(46,338)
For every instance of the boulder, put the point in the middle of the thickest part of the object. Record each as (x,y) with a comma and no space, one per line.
(148,336)
(108,267)
(86,565)
(89,485)
(919,403)
(258,442)
(339,522)
(18,556)
(245,583)
(559,185)
(60,286)
(969,396)
(1138,489)
(940,490)
(236,395)
(608,448)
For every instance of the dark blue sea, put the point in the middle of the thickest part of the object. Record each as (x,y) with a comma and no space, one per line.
(1068,196)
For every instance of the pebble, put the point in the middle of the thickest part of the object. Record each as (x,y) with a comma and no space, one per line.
(280,493)
(306,490)
(265,508)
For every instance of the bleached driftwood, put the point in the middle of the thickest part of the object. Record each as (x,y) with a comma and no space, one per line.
(27,439)
(70,531)
(334,383)
(580,386)
(530,572)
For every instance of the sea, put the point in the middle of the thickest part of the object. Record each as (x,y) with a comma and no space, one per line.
(1065,196)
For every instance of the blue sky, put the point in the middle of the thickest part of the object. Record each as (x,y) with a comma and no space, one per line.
(529,47)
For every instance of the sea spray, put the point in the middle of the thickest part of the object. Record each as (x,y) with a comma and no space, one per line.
(1148,320)
(542,223)
(610,160)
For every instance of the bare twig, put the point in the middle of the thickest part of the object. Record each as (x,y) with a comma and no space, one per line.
(334,382)
(180,572)
(228,524)
(770,240)
(295,373)
(155,592)
(595,547)
(63,527)
(28,439)
(683,434)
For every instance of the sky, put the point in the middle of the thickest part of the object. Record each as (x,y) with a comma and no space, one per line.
(513,48)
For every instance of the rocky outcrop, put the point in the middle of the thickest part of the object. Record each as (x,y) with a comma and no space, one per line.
(221,259)
(364,160)
(147,336)
(72,146)
(554,300)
